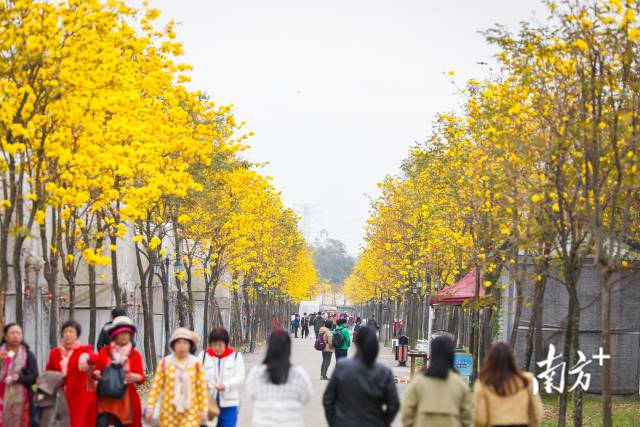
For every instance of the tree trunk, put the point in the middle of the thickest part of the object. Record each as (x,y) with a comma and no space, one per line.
(190,300)
(606,349)
(92,305)
(475,331)
(17,278)
(114,272)
(4,268)
(572,319)
(535,320)
(145,277)
(236,324)
(72,296)
(165,307)
(152,317)
(50,271)
(205,315)
(146,320)
(518,314)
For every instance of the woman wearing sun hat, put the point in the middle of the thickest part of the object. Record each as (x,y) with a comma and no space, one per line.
(125,411)
(180,384)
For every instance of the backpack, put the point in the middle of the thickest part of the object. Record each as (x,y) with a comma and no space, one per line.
(320,345)
(337,340)
(112,383)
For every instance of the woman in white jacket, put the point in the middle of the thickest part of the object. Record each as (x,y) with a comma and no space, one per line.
(224,372)
(277,388)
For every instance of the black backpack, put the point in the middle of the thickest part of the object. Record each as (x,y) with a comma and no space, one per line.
(337,339)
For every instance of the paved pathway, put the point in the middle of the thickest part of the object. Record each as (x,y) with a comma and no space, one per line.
(305,355)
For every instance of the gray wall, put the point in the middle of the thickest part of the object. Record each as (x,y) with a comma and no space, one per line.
(625,334)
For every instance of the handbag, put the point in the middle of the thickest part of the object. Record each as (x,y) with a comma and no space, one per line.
(51,402)
(112,383)
(213,410)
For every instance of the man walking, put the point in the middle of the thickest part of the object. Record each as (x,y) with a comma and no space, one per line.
(318,323)
(296,324)
(371,323)
(304,323)
(341,339)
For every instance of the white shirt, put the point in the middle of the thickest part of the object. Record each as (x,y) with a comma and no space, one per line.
(228,371)
(278,405)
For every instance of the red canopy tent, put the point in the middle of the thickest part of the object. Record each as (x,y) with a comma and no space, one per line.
(464,289)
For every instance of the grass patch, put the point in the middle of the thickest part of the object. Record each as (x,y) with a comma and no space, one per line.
(626,412)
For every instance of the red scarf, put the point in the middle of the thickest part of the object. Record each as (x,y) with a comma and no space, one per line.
(227,352)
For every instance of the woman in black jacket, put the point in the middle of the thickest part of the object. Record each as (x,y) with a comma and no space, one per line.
(361,392)
(18,372)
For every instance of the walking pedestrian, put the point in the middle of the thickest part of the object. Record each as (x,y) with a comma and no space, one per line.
(70,357)
(18,372)
(440,397)
(503,395)
(361,392)
(125,410)
(277,388)
(372,323)
(179,386)
(357,327)
(304,324)
(341,339)
(296,325)
(325,334)
(103,337)
(318,323)
(224,372)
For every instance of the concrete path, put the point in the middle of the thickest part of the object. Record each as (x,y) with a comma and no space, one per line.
(305,355)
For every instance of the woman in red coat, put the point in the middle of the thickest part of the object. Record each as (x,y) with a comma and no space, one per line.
(79,389)
(126,411)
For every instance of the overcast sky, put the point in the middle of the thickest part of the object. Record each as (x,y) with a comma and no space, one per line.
(337,91)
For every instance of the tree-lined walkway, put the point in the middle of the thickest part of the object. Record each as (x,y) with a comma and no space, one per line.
(303,354)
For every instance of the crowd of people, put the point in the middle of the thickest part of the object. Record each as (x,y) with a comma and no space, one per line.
(82,387)
(195,389)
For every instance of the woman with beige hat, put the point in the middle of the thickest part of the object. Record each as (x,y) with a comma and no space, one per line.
(179,385)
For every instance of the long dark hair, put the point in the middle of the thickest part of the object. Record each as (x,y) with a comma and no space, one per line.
(278,357)
(367,345)
(499,371)
(442,351)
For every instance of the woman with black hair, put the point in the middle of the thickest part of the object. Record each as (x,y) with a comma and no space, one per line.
(224,372)
(325,334)
(18,372)
(277,388)
(361,392)
(78,386)
(441,397)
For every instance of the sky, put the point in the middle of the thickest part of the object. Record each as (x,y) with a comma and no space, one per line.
(337,91)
